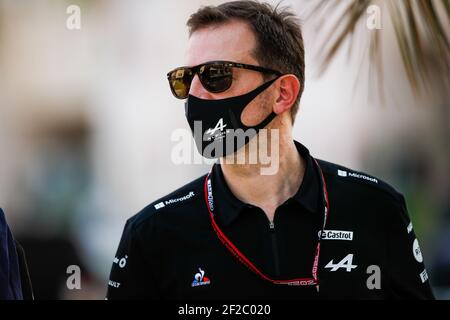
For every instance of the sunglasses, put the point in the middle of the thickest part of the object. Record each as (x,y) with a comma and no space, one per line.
(215,76)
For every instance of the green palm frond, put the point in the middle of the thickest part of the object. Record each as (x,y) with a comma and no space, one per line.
(421,29)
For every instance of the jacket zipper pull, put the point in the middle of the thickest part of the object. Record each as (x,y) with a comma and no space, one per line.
(271,225)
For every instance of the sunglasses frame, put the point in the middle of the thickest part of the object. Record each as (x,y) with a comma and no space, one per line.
(196,70)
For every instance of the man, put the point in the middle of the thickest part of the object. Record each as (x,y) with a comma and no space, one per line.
(308,229)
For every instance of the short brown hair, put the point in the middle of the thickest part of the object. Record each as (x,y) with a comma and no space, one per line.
(277,31)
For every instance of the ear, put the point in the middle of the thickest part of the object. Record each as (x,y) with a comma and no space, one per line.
(289,88)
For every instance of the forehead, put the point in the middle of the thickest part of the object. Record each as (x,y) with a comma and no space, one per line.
(233,41)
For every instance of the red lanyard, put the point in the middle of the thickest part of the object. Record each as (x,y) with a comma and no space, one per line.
(245,261)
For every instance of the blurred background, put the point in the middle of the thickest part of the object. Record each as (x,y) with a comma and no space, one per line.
(86,118)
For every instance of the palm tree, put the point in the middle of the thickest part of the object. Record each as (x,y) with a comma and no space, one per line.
(421,29)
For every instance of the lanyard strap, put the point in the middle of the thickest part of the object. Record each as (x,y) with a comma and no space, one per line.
(314,280)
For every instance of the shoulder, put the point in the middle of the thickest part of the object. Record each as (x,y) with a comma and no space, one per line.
(180,202)
(3,223)
(351,182)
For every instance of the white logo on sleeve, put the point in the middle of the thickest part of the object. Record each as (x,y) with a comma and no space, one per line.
(362,176)
(416,251)
(122,262)
(114,284)
(346,263)
(424,276)
(410,227)
(342,173)
(162,204)
(159,205)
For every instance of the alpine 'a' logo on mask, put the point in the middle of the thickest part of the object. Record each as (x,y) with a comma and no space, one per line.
(220,124)
(217,132)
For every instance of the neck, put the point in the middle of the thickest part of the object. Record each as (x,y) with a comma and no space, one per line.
(267,192)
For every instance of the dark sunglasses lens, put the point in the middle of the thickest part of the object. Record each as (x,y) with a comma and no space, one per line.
(216,77)
(180,82)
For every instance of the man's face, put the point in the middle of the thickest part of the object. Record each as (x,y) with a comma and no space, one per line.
(234,42)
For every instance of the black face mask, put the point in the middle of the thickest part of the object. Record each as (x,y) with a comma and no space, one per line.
(216,124)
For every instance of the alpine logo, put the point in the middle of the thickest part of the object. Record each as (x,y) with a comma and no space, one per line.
(336,235)
(200,279)
(219,127)
(162,204)
(346,263)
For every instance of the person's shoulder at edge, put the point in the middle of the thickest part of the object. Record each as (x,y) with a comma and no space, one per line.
(172,203)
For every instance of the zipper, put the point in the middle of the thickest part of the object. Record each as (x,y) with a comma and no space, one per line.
(271,225)
(274,248)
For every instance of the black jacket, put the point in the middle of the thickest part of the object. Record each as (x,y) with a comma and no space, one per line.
(15,282)
(368,249)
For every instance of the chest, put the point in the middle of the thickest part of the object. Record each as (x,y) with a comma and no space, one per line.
(352,260)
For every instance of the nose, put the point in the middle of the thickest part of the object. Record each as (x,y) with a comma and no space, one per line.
(197,89)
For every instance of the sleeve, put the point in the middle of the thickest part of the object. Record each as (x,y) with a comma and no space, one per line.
(409,278)
(131,274)
(25,280)
(10,286)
